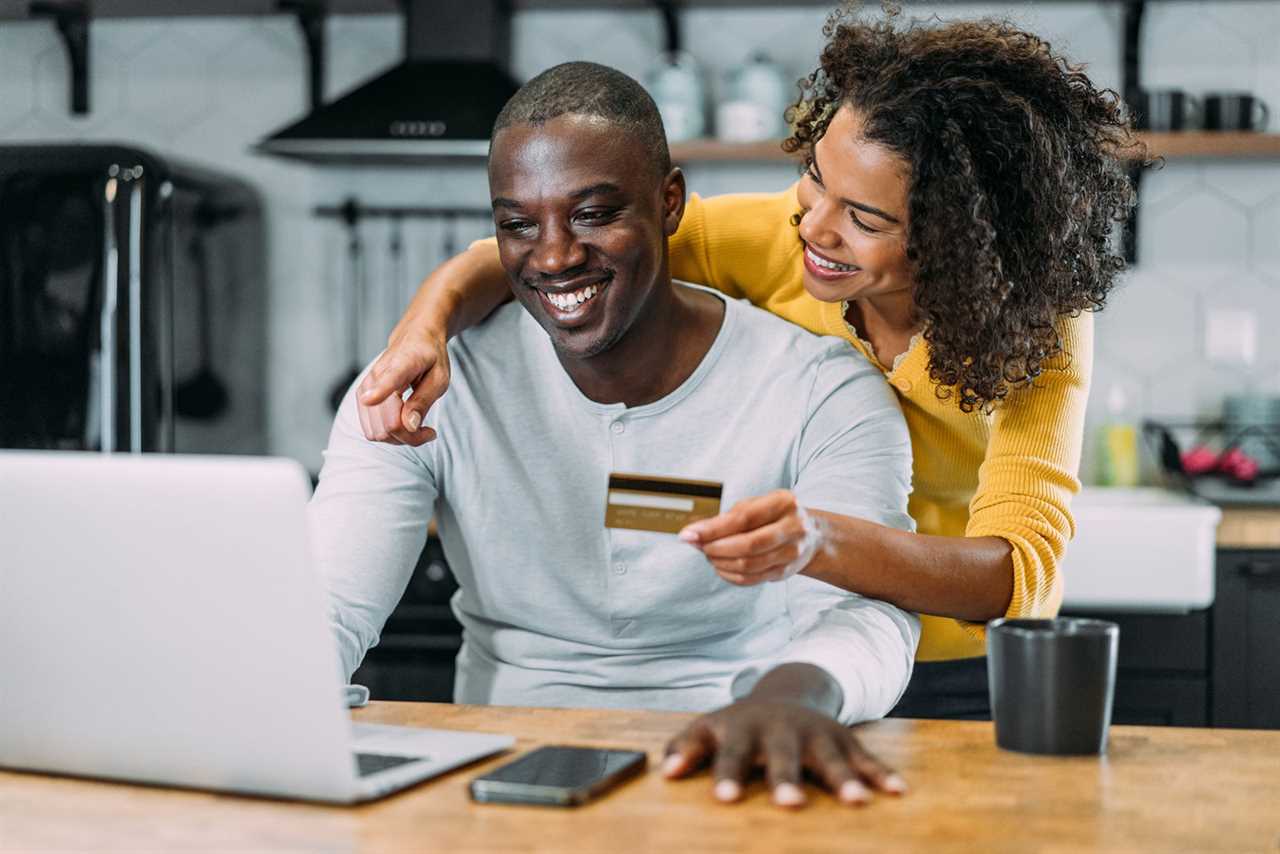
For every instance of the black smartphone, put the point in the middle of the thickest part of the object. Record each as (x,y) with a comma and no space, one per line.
(558,776)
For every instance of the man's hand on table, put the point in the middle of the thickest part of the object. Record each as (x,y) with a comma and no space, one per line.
(786,726)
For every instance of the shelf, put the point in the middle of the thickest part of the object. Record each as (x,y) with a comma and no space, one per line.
(1225,144)
(1172,146)
(713,150)
(18,9)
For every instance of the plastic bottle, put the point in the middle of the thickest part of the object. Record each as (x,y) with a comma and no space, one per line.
(1118,457)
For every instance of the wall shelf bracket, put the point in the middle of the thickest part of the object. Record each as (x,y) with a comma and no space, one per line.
(311,15)
(71,17)
(1131,86)
(672,37)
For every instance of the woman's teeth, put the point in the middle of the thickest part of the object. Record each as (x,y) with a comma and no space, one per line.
(569,301)
(830,265)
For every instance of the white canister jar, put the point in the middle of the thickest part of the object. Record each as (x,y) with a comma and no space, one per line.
(676,86)
(761,83)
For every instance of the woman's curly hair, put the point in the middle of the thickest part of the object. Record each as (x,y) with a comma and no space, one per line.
(1017,183)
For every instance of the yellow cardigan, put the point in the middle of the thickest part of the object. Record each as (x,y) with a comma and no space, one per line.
(1010,474)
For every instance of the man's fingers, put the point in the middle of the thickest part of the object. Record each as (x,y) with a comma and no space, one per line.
(746,515)
(732,764)
(875,772)
(689,751)
(782,761)
(829,762)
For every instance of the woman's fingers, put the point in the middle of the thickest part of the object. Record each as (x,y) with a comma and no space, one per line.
(759,541)
(425,393)
(364,414)
(384,417)
(771,566)
(747,515)
(393,372)
(379,422)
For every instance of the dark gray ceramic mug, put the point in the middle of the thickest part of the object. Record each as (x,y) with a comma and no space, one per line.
(1166,110)
(1052,683)
(1235,111)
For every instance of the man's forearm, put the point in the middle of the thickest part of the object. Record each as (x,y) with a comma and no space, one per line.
(459,293)
(969,578)
(801,683)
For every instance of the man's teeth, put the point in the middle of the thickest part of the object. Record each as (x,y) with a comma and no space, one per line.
(830,265)
(571,300)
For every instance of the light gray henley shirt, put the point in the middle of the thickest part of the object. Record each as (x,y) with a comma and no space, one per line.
(558,610)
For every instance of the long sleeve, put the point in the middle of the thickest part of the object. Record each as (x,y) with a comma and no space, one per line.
(1029,474)
(368,521)
(854,458)
(867,646)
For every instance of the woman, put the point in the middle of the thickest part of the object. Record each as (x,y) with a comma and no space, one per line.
(954,224)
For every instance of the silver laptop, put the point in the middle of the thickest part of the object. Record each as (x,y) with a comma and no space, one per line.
(159,622)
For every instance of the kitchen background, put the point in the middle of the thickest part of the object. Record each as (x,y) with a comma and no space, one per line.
(208,89)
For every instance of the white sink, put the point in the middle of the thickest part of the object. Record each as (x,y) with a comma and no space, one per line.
(1140,550)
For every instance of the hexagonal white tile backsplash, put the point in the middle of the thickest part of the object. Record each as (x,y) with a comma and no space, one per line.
(207,89)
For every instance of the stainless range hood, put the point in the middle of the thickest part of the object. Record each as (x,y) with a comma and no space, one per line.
(439,103)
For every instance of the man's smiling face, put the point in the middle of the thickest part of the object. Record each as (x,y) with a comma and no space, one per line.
(582,222)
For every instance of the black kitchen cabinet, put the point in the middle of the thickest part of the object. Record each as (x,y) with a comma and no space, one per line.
(1246,639)
(414,659)
(1162,672)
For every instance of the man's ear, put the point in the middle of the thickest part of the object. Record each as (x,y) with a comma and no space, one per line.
(673,192)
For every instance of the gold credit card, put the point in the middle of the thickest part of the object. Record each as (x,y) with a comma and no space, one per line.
(662,504)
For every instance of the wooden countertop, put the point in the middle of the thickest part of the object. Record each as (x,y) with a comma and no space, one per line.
(1157,789)
(1249,528)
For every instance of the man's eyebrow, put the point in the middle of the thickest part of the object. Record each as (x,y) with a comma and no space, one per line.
(862,206)
(603,188)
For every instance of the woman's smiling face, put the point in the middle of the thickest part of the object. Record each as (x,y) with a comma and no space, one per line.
(854,215)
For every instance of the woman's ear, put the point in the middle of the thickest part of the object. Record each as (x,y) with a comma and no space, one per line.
(673,193)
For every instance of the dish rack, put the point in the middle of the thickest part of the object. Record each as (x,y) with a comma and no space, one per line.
(1171,441)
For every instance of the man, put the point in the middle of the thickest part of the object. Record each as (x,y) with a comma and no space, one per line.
(605,365)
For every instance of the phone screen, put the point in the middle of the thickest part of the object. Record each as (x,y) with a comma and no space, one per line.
(557,774)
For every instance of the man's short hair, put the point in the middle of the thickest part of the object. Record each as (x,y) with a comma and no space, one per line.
(590,89)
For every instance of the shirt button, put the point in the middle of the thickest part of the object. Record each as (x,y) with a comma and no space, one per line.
(902,384)
(619,569)
(618,428)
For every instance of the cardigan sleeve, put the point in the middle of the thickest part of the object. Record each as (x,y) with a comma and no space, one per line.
(741,244)
(1030,473)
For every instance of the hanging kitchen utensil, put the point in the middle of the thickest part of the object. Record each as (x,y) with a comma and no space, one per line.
(204,395)
(354,302)
(396,275)
(450,246)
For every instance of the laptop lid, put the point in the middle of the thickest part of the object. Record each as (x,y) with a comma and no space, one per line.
(159,622)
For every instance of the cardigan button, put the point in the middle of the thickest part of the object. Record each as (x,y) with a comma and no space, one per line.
(902,384)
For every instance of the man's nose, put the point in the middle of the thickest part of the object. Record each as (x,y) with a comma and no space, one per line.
(558,250)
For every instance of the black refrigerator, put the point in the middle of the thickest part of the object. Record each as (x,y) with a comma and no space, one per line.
(132,303)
